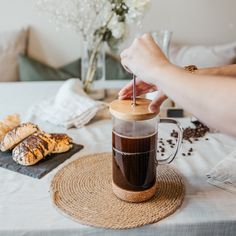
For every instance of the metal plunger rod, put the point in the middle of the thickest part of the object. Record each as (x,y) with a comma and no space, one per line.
(134,90)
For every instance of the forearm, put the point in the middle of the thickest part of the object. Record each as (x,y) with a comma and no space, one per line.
(229,70)
(210,98)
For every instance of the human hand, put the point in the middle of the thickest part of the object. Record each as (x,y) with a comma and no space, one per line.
(144,58)
(143,88)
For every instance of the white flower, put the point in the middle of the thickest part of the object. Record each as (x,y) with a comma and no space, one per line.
(136,9)
(88,16)
(113,21)
(82,16)
(118,29)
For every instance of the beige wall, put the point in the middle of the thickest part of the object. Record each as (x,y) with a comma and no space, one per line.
(193,22)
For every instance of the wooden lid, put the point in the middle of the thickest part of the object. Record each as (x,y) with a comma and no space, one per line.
(124,110)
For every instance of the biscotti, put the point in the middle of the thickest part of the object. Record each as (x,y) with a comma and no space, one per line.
(15,136)
(63,143)
(33,149)
(10,122)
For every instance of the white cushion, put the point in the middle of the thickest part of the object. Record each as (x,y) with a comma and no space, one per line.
(203,56)
(12,43)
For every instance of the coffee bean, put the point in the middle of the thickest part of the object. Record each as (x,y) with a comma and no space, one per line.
(199,131)
(190,134)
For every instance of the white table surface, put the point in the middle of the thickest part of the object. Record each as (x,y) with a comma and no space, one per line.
(25,204)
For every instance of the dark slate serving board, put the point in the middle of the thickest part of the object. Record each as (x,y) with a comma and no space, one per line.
(42,167)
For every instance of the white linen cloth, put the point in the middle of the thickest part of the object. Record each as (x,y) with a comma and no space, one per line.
(71,107)
(223,175)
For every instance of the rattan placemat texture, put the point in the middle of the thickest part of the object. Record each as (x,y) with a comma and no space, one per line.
(82,191)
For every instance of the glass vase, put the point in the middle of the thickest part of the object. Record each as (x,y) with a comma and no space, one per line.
(92,65)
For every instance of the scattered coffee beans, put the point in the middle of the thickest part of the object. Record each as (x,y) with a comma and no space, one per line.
(189,134)
(198,131)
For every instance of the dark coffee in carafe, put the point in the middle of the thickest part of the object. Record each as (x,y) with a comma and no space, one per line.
(134,161)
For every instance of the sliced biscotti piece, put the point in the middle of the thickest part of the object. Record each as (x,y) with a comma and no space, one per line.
(63,143)
(10,122)
(33,149)
(15,136)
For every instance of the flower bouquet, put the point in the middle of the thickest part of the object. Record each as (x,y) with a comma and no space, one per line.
(98,22)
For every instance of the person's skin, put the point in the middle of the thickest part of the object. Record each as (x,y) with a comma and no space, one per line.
(229,70)
(211,98)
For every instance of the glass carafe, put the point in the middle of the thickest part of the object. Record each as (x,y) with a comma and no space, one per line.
(134,148)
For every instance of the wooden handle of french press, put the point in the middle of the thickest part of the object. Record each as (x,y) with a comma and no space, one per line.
(171,157)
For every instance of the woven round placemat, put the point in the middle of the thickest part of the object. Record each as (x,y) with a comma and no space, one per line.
(82,190)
